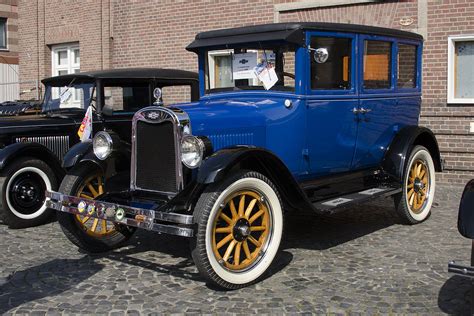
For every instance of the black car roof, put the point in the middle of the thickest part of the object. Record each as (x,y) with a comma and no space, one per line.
(129,73)
(288,32)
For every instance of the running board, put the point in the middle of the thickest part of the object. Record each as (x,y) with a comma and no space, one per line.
(345,201)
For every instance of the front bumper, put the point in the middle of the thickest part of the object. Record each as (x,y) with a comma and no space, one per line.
(149,219)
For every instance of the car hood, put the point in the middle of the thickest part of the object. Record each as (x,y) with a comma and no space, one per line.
(226,122)
(30,120)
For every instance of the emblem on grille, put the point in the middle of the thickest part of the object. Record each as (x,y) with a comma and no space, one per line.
(153,115)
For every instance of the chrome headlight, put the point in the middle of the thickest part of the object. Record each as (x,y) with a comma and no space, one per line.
(102,145)
(192,151)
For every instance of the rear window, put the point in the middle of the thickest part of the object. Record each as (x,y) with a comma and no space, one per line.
(377,65)
(406,66)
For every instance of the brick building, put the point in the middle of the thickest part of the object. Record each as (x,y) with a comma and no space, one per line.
(9,88)
(65,36)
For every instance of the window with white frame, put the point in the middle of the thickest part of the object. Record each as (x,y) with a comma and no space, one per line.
(66,59)
(3,33)
(461,69)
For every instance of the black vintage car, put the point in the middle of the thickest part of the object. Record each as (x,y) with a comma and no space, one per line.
(35,139)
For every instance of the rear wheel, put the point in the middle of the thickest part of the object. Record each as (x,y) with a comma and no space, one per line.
(23,184)
(413,205)
(88,233)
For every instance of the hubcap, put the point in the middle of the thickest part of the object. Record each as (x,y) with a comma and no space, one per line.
(91,189)
(418,186)
(27,192)
(241,230)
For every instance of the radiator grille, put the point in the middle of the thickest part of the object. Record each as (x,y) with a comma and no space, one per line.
(155,157)
(59,145)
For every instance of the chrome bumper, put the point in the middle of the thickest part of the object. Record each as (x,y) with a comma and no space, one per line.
(465,271)
(122,214)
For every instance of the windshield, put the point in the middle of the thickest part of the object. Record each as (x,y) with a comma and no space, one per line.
(71,96)
(250,68)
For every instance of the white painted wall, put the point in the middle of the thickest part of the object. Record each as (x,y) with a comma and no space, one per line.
(9,86)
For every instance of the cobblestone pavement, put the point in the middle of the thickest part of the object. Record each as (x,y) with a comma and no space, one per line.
(360,261)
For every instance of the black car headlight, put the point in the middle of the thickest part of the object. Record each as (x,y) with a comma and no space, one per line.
(192,151)
(102,145)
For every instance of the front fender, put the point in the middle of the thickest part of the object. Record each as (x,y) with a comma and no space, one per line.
(400,148)
(221,163)
(76,153)
(35,150)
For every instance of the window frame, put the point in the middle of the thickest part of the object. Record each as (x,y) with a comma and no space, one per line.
(5,34)
(353,89)
(451,98)
(71,65)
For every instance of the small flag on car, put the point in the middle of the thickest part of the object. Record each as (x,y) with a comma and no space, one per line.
(85,130)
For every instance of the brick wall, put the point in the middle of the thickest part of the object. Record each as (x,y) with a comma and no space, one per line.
(131,33)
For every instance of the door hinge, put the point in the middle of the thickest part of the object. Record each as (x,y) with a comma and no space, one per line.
(305,152)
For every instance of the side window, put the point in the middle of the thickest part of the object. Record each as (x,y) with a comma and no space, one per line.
(331,63)
(176,94)
(377,65)
(127,99)
(406,66)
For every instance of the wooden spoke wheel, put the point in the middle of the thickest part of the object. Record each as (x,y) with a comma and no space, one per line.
(241,230)
(92,188)
(240,225)
(88,233)
(413,205)
(418,186)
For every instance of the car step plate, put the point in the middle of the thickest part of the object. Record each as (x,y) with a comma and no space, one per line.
(355,198)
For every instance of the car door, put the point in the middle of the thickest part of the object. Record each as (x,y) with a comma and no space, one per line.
(331,102)
(379,112)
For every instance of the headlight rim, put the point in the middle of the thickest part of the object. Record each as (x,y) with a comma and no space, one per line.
(110,143)
(201,147)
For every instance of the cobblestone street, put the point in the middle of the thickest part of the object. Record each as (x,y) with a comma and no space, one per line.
(360,261)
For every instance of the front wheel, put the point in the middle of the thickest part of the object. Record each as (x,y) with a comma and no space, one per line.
(88,233)
(240,225)
(413,205)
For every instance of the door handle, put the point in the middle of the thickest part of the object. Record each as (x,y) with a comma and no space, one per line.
(355,110)
(364,110)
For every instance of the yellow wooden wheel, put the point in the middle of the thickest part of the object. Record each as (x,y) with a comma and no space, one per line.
(241,230)
(418,186)
(91,188)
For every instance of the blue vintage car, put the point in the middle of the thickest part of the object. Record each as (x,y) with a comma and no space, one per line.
(291,116)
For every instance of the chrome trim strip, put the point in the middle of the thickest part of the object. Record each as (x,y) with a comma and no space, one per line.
(461,270)
(155,115)
(65,203)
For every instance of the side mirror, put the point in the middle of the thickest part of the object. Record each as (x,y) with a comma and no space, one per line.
(466,211)
(107,111)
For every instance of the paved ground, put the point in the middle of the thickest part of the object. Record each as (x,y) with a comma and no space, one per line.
(360,261)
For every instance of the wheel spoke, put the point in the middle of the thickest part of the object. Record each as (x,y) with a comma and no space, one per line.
(257,228)
(224,241)
(410,186)
(227,229)
(86,196)
(418,169)
(246,249)
(104,226)
(254,241)
(256,216)
(422,173)
(94,225)
(237,254)
(100,184)
(226,218)
(250,208)
(410,193)
(411,199)
(92,189)
(229,250)
(242,205)
(232,209)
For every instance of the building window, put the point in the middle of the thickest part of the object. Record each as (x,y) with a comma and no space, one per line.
(461,69)
(331,63)
(65,59)
(377,57)
(3,33)
(406,66)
